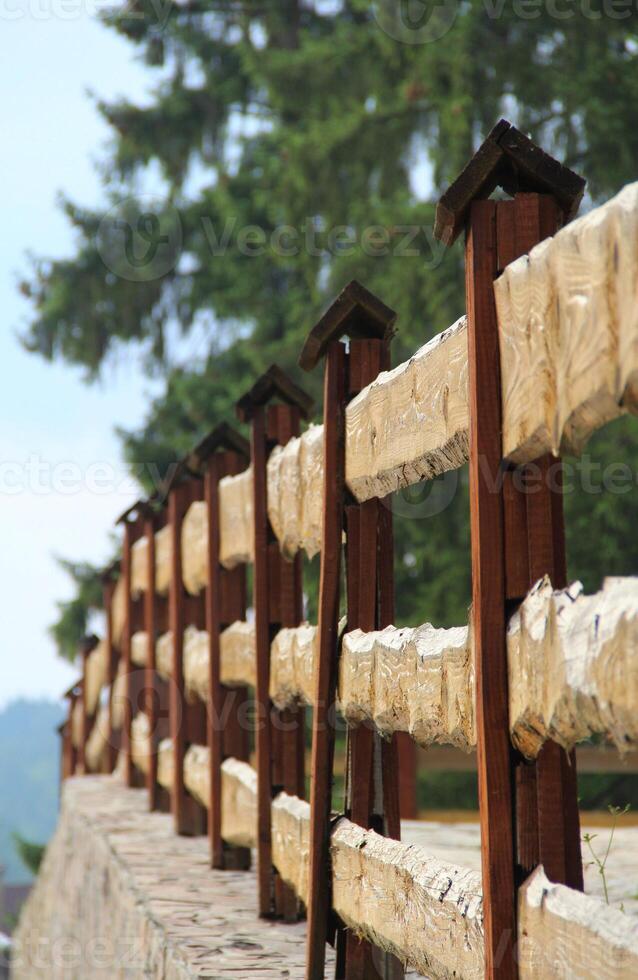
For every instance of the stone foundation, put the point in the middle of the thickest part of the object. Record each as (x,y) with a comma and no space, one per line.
(120,895)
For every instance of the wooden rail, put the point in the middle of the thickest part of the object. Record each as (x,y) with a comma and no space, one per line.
(540,668)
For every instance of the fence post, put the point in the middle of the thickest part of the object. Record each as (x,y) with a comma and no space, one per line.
(506,537)
(132,521)
(187,721)
(265,422)
(360,315)
(224,452)
(156,694)
(88,644)
(71,763)
(108,587)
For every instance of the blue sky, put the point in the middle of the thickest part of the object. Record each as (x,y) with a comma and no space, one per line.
(48,417)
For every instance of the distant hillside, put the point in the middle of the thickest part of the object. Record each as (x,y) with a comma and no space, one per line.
(29,778)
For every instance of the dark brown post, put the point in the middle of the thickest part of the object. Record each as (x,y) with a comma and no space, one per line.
(88,644)
(187,721)
(133,523)
(369,323)
(156,687)
(268,421)
(113,736)
(71,752)
(224,452)
(502,540)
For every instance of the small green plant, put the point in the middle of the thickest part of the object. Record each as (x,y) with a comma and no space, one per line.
(601,862)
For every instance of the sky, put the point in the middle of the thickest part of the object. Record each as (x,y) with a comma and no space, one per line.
(62,479)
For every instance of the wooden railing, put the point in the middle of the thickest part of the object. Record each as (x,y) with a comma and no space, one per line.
(547,354)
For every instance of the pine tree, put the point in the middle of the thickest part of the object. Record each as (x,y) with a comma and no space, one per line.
(287,135)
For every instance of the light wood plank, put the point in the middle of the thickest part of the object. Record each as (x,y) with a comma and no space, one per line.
(563,933)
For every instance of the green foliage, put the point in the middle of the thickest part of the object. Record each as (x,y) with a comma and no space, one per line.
(73,614)
(29,853)
(287,136)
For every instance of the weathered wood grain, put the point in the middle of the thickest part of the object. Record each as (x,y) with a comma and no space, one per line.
(572,671)
(295,486)
(411,423)
(427,913)
(163,559)
(238,655)
(293,656)
(573,665)
(236,519)
(118,613)
(139,567)
(195,547)
(563,933)
(139,648)
(419,681)
(239,789)
(291,841)
(95,749)
(568,332)
(118,696)
(96,674)
(139,563)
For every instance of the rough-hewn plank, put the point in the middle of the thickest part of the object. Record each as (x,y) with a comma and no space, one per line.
(568,332)
(239,789)
(418,680)
(396,895)
(139,563)
(118,613)
(98,740)
(291,841)
(96,675)
(236,519)
(295,487)
(163,559)
(139,648)
(139,566)
(293,655)
(563,933)
(237,655)
(411,423)
(194,547)
(572,669)
(573,665)
(118,696)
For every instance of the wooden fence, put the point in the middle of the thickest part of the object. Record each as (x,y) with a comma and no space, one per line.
(547,353)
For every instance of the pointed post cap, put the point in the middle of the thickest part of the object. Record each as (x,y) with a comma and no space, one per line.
(73,691)
(274,383)
(140,507)
(508,159)
(222,437)
(88,643)
(356,312)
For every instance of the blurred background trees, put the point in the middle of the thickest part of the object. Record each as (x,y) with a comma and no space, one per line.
(289,147)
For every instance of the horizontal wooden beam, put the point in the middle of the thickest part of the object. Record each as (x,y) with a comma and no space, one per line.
(572,672)
(573,666)
(565,933)
(568,337)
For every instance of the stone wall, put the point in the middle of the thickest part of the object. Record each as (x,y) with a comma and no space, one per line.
(119,895)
